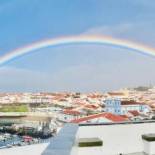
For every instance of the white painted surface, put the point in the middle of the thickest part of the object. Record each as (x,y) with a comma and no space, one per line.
(149,147)
(120,138)
(35,149)
(125,138)
(146,146)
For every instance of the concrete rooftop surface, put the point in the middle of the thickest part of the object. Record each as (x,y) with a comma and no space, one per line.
(118,138)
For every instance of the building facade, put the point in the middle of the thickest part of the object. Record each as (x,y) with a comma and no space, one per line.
(116,106)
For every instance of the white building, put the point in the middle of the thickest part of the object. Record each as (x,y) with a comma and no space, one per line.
(116,106)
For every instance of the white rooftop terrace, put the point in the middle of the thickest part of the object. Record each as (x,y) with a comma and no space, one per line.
(125,138)
(121,138)
(35,149)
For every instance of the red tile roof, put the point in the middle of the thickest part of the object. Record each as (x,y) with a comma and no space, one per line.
(130,103)
(80,103)
(110,116)
(91,106)
(134,112)
(95,95)
(124,116)
(71,112)
(116,93)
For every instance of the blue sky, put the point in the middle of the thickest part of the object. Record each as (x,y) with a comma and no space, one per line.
(76,67)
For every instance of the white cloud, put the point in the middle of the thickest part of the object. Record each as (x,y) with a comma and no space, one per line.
(140,32)
(78,78)
(145,3)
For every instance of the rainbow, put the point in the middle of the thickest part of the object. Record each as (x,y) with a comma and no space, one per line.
(74,40)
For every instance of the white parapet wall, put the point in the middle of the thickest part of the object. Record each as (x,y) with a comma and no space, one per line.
(117,138)
(149,147)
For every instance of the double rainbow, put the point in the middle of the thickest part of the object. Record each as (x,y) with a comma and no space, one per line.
(74,40)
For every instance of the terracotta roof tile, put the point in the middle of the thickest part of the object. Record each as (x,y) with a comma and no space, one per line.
(134,112)
(71,112)
(110,116)
(131,102)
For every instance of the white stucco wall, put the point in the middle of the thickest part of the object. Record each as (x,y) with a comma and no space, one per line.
(36,149)
(117,139)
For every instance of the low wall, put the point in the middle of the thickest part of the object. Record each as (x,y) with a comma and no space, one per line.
(117,138)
